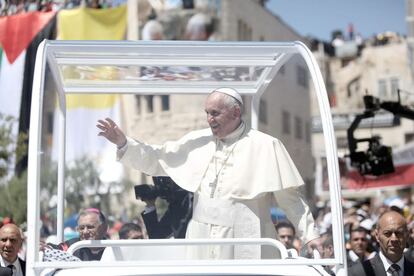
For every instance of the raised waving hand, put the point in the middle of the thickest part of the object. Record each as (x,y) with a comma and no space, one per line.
(111,131)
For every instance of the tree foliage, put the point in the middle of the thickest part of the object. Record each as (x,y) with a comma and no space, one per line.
(13,188)
(81,179)
(13,199)
(82,183)
(83,188)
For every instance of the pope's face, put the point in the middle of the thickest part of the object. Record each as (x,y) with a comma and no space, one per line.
(392,235)
(222,118)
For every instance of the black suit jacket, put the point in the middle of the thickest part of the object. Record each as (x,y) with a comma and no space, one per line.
(5,271)
(23,266)
(409,254)
(375,267)
(349,261)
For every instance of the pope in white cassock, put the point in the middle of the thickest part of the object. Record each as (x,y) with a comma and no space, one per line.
(236,175)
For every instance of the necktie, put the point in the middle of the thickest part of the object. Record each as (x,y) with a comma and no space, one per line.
(394,269)
(11,268)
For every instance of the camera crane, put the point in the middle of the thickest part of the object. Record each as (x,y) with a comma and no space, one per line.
(377,159)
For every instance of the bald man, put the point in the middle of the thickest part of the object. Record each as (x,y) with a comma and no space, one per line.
(11,240)
(235,172)
(392,235)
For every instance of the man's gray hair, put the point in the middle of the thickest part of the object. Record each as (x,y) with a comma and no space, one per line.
(231,102)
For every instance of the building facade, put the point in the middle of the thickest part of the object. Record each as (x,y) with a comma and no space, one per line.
(285,107)
(380,68)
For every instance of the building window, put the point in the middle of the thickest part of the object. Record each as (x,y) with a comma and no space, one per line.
(239,29)
(150,103)
(188,4)
(263,111)
(382,88)
(244,32)
(249,34)
(394,87)
(409,137)
(138,101)
(298,128)
(165,103)
(342,142)
(285,122)
(302,76)
(353,87)
(307,132)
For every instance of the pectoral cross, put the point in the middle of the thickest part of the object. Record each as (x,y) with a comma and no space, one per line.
(213,185)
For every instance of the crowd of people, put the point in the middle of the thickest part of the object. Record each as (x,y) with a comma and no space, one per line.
(373,236)
(376,239)
(225,199)
(20,6)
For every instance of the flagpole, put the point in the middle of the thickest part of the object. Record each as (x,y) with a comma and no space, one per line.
(132,10)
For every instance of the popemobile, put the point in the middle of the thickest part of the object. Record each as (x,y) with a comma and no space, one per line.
(253,69)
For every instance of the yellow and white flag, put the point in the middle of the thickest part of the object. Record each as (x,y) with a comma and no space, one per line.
(83,110)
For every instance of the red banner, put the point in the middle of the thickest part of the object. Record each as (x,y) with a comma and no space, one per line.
(17,31)
(403,175)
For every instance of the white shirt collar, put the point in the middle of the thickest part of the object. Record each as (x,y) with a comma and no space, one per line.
(235,135)
(387,263)
(353,256)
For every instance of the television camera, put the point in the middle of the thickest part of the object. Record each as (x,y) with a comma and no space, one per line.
(164,187)
(175,219)
(377,159)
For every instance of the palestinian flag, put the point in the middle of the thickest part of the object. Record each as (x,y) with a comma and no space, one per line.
(20,36)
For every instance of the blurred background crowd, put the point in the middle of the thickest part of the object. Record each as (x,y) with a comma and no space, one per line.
(360,221)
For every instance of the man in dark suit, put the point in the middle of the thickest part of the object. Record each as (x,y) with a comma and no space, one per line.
(359,242)
(409,253)
(11,240)
(391,234)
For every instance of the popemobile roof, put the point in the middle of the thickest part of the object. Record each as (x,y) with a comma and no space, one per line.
(160,67)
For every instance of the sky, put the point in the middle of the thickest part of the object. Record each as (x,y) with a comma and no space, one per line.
(318,18)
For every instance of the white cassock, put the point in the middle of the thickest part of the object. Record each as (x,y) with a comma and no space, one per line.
(235,182)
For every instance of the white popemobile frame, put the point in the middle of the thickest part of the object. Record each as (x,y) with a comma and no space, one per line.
(260,60)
